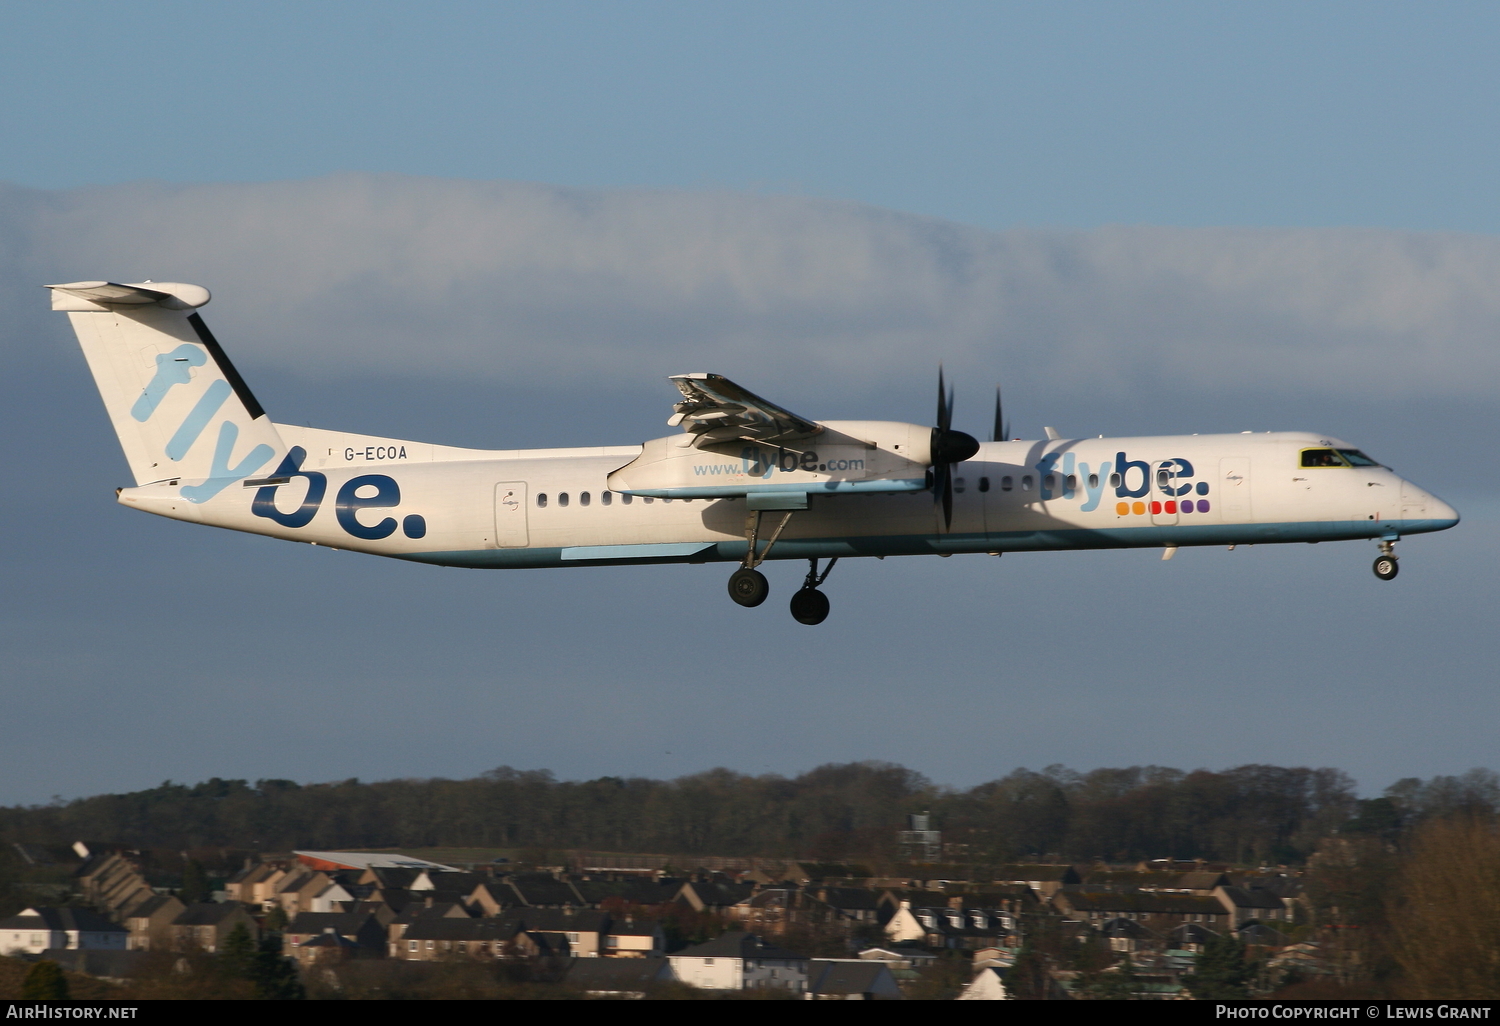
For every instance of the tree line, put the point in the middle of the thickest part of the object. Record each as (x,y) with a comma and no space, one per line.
(1252,813)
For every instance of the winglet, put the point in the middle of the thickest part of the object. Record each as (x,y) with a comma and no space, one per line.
(101,295)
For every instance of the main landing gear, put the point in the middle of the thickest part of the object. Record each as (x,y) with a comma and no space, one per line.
(749,587)
(1386,567)
(809,605)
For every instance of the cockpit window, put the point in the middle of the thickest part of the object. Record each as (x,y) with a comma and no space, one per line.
(1321,458)
(1357,458)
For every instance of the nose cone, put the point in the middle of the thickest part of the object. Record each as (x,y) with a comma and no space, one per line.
(1421,511)
(1444,514)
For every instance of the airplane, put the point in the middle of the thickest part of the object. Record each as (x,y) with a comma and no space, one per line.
(744,481)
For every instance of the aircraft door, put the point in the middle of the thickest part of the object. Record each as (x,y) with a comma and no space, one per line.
(1234,489)
(1164,489)
(510,515)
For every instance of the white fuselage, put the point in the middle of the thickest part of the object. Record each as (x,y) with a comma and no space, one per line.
(553,507)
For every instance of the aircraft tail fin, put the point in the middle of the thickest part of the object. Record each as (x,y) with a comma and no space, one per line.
(181,410)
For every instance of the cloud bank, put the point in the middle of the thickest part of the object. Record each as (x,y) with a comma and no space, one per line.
(447,279)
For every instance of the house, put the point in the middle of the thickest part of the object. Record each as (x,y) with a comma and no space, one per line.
(437,938)
(39,928)
(447,880)
(900,957)
(629,939)
(944,927)
(904,927)
(631,979)
(584,930)
(111,882)
(493,897)
(323,948)
(1129,935)
(149,922)
(1247,903)
(854,904)
(1162,912)
(850,979)
(260,886)
(541,890)
(1191,937)
(626,892)
(725,899)
(1046,880)
(415,912)
(253,884)
(205,925)
(740,961)
(363,931)
(987,985)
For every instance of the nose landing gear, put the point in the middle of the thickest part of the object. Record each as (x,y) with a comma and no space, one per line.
(1386,567)
(809,605)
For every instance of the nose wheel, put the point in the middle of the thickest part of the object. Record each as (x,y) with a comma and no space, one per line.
(809,605)
(1386,567)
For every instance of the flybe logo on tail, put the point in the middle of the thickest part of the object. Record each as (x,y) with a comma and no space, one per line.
(173,369)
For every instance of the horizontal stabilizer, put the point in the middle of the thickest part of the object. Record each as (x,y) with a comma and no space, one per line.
(101,295)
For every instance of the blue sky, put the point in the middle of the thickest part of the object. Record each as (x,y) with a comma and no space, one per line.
(991,114)
(1143,218)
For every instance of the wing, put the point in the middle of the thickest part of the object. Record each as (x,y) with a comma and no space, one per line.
(717,410)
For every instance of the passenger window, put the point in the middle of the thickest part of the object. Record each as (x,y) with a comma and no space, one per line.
(667,499)
(1006,483)
(984,484)
(647,499)
(1163,479)
(627,498)
(958,484)
(583,498)
(562,498)
(541,499)
(1321,458)
(605,498)
(1026,483)
(1072,483)
(1049,482)
(1093,480)
(1114,480)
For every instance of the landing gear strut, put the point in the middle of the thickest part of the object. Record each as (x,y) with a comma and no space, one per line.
(747,585)
(809,605)
(1386,566)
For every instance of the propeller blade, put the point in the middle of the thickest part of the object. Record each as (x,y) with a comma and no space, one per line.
(948,447)
(1001,430)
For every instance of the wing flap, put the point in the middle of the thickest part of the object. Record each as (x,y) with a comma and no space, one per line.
(718,410)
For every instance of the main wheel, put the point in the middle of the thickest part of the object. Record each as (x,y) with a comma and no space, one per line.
(748,587)
(810,606)
(1386,567)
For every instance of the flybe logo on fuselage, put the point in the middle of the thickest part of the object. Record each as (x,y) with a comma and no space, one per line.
(1063,476)
(381,492)
(757,462)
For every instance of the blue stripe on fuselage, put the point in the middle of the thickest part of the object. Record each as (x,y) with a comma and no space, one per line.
(1146,536)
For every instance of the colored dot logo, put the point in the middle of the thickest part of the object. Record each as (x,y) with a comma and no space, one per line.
(1171,506)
